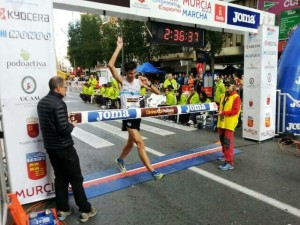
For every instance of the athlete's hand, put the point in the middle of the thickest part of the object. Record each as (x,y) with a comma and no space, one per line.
(120,42)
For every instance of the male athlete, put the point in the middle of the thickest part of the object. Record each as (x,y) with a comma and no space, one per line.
(130,98)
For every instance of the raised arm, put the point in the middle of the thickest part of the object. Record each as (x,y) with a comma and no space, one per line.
(148,85)
(112,61)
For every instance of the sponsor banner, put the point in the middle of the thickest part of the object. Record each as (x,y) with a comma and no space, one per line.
(206,13)
(289,20)
(277,6)
(242,17)
(292,123)
(27,62)
(198,108)
(260,75)
(119,114)
(160,111)
(75,117)
(288,16)
(124,3)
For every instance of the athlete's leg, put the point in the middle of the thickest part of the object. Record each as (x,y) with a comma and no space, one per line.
(127,148)
(135,135)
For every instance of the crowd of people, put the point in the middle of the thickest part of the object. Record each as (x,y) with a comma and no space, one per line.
(108,95)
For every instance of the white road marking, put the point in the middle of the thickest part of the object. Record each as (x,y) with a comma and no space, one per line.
(112,129)
(73,96)
(90,139)
(264,198)
(154,130)
(174,125)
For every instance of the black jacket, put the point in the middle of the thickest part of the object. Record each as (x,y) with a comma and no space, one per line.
(54,123)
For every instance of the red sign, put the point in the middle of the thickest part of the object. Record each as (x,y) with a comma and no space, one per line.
(185,88)
(32,127)
(220,13)
(208,91)
(36,165)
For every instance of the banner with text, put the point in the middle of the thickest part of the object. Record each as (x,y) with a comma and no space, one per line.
(27,59)
(260,79)
(207,13)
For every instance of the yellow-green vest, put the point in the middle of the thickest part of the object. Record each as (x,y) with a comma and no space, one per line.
(229,122)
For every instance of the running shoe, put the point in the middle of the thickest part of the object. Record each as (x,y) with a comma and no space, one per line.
(121,165)
(86,216)
(226,166)
(221,159)
(157,176)
(62,215)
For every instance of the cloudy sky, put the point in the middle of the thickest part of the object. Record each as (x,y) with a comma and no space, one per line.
(61,20)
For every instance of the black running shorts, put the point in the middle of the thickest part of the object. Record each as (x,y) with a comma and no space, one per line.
(132,124)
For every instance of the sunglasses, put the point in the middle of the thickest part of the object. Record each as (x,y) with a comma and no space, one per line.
(227,85)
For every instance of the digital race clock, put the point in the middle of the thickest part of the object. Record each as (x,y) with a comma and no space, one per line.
(177,35)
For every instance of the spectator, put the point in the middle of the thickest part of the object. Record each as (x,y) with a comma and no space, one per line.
(203,99)
(56,131)
(170,81)
(229,110)
(219,89)
(193,99)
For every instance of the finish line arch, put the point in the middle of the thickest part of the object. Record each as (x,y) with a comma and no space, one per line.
(28,60)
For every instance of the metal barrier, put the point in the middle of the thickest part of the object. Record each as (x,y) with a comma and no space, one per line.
(281,101)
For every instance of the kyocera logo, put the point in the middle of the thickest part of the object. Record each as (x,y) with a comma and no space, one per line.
(2,14)
(29,35)
(25,16)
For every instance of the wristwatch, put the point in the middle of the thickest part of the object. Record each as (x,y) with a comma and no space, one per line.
(149,85)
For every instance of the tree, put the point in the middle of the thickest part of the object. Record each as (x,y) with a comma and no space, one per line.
(84,41)
(215,40)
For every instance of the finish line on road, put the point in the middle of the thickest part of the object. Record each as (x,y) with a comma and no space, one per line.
(112,180)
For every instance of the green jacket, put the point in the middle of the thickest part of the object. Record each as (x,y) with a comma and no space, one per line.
(194,99)
(84,89)
(172,82)
(115,94)
(219,90)
(171,99)
(143,91)
(182,100)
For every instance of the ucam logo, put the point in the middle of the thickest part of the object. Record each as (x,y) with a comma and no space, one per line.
(112,115)
(242,17)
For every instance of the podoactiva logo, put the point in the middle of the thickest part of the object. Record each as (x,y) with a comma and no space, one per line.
(28,85)
(25,62)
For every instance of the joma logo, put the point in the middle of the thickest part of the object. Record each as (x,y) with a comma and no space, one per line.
(241,17)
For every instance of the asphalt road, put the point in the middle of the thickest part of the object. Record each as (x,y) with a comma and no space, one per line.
(262,189)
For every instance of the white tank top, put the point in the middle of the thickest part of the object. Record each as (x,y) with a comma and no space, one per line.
(130,94)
